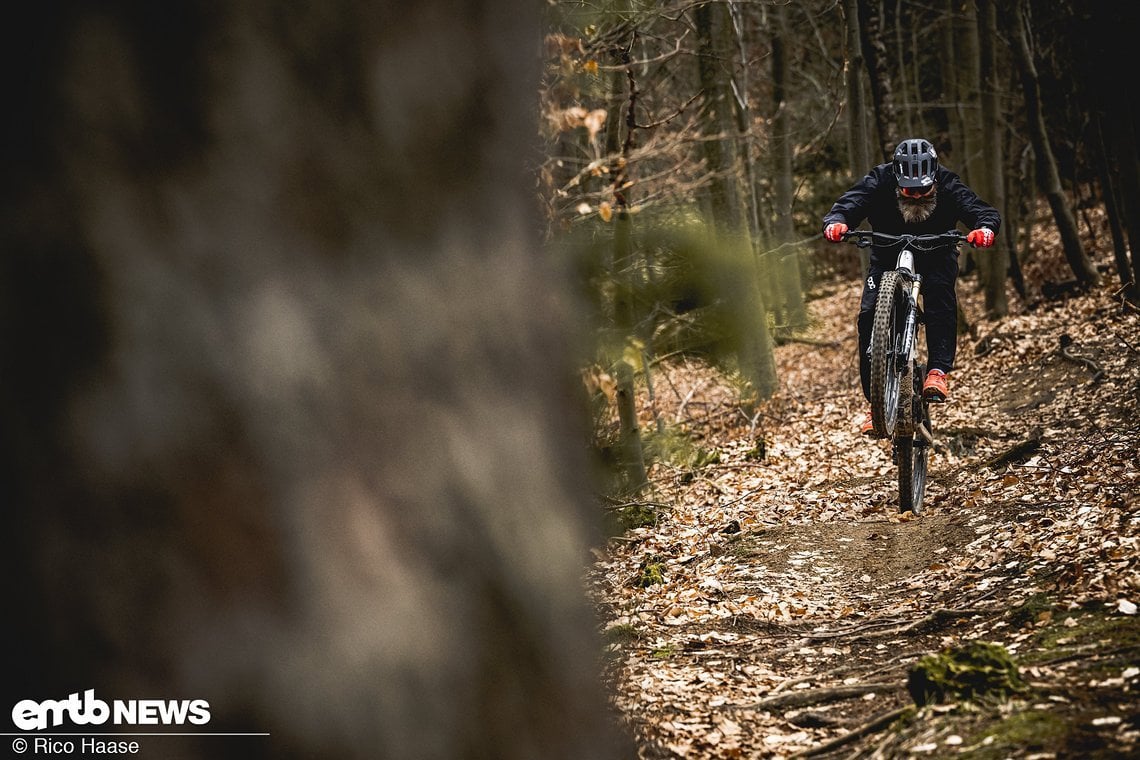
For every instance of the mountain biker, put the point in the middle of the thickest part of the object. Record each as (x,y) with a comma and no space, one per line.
(914,195)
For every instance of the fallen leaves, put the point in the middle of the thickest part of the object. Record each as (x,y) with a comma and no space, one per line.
(787,567)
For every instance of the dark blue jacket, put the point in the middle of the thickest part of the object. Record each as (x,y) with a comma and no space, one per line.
(875,199)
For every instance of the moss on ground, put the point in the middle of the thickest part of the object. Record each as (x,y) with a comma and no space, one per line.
(652,573)
(1020,732)
(630,517)
(968,672)
(1096,631)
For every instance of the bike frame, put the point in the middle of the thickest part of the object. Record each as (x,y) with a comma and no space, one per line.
(905,268)
(909,342)
(898,409)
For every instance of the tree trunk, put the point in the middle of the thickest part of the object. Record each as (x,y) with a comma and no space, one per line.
(875,51)
(289,431)
(995,261)
(787,264)
(750,191)
(1106,49)
(742,292)
(1128,158)
(1011,216)
(950,92)
(969,94)
(858,141)
(718,120)
(632,454)
(1048,174)
(1110,192)
(905,103)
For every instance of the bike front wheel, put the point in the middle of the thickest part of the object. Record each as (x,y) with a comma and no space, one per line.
(888,356)
(913,455)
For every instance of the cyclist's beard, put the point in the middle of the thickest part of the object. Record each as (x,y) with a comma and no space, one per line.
(917,209)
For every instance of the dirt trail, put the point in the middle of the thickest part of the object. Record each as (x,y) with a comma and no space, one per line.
(779,600)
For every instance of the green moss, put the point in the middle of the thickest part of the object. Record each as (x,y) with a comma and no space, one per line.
(1088,629)
(972,671)
(632,517)
(1020,732)
(1030,611)
(758,453)
(678,449)
(652,574)
(664,653)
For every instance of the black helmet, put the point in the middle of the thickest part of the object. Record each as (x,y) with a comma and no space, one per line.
(915,162)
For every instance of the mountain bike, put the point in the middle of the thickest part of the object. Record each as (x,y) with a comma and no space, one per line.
(898,410)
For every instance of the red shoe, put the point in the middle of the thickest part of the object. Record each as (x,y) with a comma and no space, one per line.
(937,386)
(868,427)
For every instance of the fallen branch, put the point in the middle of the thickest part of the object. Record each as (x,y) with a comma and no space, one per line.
(973,432)
(1067,354)
(614,505)
(876,628)
(815,696)
(680,415)
(1016,452)
(892,664)
(879,722)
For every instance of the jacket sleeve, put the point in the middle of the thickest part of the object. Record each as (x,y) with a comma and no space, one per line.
(973,211)
(854,205)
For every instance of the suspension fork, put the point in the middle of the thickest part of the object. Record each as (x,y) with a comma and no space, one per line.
(910,328)
(909,346)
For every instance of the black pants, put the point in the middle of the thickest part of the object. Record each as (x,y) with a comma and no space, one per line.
(939,270)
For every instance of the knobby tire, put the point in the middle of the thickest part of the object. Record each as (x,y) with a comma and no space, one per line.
(913,452)
(886,372)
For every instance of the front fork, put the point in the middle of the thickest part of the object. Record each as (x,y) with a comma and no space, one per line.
(908,348)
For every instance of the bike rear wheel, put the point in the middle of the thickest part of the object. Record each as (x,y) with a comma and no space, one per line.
(888,355)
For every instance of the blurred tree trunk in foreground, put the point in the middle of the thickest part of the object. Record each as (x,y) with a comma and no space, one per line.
(284,408)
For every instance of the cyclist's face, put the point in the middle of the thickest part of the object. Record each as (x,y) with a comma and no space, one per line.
(916,192)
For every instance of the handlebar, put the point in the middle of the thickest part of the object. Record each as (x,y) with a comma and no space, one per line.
(866,238)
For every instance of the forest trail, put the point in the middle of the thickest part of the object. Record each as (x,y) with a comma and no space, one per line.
(776,600)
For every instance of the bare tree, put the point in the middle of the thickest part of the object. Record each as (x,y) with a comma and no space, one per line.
(742,294)
(969,86)
(994,262)
(632,454)
(878,62)
(787,266)
(858,140)
(1048,174)
(948,65)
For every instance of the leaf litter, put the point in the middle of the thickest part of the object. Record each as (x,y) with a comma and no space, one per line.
(785,567)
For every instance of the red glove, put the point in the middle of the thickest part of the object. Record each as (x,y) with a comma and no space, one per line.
(836,230)
(983,237)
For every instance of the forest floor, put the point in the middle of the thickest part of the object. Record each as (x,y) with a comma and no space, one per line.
(774,600)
